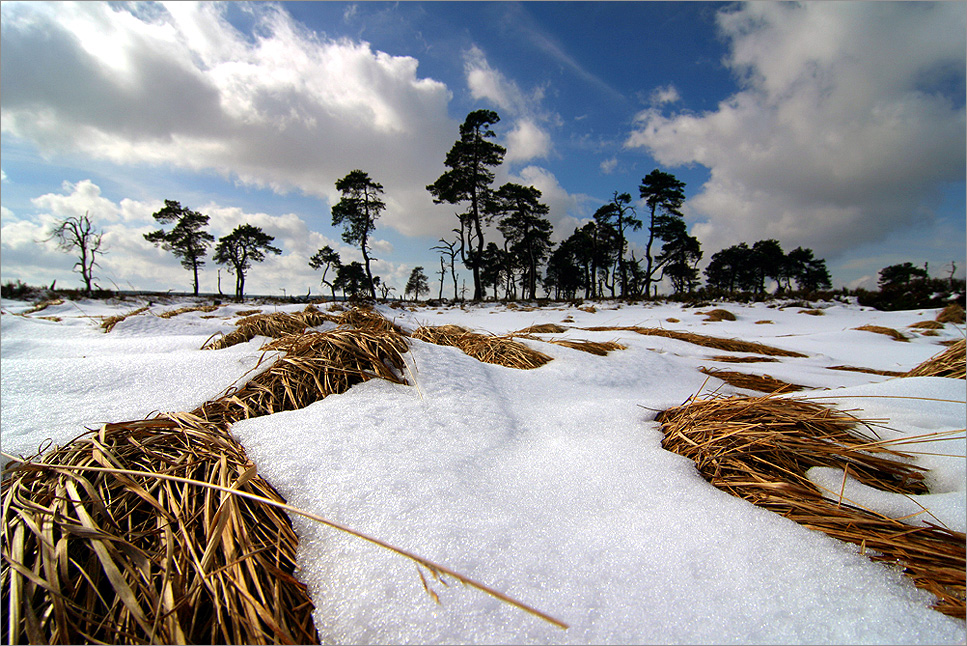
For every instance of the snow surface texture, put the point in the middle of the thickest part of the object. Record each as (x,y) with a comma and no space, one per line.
(549,485)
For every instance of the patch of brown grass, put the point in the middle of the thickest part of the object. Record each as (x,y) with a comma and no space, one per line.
(183,310)
(544,328)
(887,331)
(927,325)
(759,449)
(813,312)
(42,305)
(764,322)
(731,345)
(726,358)
(274,325)
(869,371)
(100,557)
(952,363)
(719,315)
(108,323)
(500,350)
(953,313)
(760,383)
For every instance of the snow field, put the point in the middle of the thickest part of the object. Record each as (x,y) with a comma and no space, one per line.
(549,485)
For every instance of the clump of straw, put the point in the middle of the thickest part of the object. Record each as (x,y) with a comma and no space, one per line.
(108,323)
(42,305)
(759,449)
(727,358)
(879,329)
(183,310)
(599,348)
(719,315)
(366,318)
(869,371)
(952,363)
(732,345)
(315,365)
(92,555)
(812,312)
(927,325)
(500,350)
(953,313)
(274,325)
(544,328)
(760,383)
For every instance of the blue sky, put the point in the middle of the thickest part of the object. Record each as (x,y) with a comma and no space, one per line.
(834,126)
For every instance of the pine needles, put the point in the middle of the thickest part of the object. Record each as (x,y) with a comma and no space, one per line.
(759,449)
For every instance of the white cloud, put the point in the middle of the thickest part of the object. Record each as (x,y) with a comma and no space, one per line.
(608,165)
(841,133)
(179,86)
(665,94)
(528,139)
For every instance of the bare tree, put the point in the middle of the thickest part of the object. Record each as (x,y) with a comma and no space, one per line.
(450,250)
(78,234)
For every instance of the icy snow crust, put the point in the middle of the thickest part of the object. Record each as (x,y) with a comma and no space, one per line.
(549,485)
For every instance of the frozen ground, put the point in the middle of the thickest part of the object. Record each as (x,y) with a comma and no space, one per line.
(549,485)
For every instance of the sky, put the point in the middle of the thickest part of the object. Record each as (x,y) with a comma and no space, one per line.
(835,126)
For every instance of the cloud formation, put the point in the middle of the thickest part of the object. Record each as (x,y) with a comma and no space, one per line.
(180,86)
(849,123)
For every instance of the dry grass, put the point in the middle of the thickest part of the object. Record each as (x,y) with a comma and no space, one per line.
(927,325)
(759,449)
(365,318)
(719,315)
(42,305)
(869,371)
(96,557)
(731,345)
(879,329)
(108,323)
(244,313)
(953,313)
(500,350)
(315,365)
(599,348)
(764,322)
(544,328)
(952,363)
(812,312)
(725,358)
(760,383)
(183,310)
(274,325)
(672,319)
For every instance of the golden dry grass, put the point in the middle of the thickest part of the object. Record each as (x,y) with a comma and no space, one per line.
(42,305)
(544,328)
(719,315)
(760,383)
(731,345)
(952,363)
(726,358)
(315,365)
(812,312)
(500,350)
(927,325)
(869,371)
(759,449)
(96,557)
(274,325)
(183,310)
(887,331)
(599,348)
(108,323)
(953,313)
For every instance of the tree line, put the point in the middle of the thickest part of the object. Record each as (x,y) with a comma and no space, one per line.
(593,261)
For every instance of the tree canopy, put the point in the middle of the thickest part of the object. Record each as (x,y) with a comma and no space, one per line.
(468,181)
(358,211)
(187,240)
(239,249)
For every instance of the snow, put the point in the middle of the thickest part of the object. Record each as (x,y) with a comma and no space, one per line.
(549,485)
